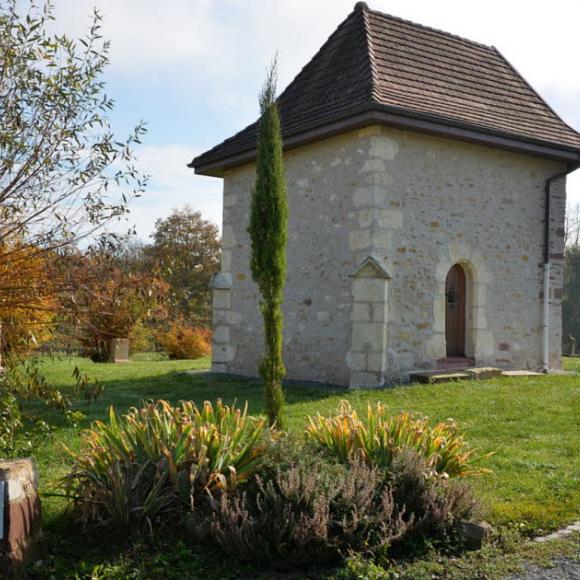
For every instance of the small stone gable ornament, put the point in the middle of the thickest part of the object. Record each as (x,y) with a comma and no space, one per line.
(371,268)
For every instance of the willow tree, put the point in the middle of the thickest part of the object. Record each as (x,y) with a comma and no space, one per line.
(64,174)
(269,232)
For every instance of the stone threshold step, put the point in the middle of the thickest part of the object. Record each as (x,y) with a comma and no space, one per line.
(438,376)
(473,373)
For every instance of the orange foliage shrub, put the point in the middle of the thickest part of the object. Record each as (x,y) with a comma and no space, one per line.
(184,342)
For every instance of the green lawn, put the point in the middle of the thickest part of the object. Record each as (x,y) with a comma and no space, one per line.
(532,425)
(572,363)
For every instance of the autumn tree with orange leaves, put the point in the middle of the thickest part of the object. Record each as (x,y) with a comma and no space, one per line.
(28,288)
(108,300)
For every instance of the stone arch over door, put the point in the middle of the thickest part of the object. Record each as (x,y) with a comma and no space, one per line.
(479,342)
(456,311)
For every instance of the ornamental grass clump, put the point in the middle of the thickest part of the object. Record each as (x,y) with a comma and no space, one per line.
(143,469)
(382,437)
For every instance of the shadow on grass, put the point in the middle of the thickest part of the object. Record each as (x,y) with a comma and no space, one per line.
(175,386)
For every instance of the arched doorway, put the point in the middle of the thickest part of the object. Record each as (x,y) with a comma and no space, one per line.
(455,300)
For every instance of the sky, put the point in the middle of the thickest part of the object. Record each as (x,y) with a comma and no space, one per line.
(192,70)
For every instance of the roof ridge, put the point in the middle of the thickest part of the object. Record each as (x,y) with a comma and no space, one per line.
(341,26)
(364,9)
(431,29)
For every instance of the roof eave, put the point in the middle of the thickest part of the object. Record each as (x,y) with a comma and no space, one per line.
(393,117)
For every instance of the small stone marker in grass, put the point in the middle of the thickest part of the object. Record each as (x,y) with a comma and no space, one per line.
(119,350)
(475,534)
(21,529)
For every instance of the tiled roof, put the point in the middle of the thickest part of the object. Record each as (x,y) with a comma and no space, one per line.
(376,62)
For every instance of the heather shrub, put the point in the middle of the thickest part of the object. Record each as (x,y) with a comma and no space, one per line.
(317,512)
(381,438)
(146,468)
(304,516)
(436,503)
(181,341)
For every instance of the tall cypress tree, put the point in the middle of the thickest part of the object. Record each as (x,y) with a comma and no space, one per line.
(269,232)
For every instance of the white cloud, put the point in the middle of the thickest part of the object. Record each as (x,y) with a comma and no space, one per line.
(172,185)
(229,42)
(216,50)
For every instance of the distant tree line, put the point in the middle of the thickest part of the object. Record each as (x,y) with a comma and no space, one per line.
(156,294)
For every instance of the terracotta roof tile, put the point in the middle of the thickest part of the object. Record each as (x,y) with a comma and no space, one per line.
(375,61)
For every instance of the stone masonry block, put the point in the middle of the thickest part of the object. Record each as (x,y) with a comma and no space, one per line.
(222,353)
(226,260)
(379,312)
(370,195)
(221,334)
(358,361)
(368,336)
(365,379)
(366,217)
(228,237)
(369,290)
(219,367)
(361,312)
(230,200)
(390,218)
(222,299)
(359,239)
(376,362)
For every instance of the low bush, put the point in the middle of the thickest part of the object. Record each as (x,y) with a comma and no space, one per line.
(382,437)
(142,470)
(185,342)
(436,503)
(317,512)
(21,431)
(308,516)
(10,422)
(143,338)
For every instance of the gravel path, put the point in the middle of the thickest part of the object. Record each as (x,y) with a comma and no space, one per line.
(564,569)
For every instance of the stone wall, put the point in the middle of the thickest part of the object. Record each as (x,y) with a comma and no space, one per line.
(416,205)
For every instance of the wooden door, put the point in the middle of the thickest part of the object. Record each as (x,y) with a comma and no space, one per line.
(455,291)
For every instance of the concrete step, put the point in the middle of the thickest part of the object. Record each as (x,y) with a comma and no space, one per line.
(466,373)
(439,376)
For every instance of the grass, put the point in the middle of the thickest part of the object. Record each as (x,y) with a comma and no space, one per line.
(491,562)
(572,363)
(532,424)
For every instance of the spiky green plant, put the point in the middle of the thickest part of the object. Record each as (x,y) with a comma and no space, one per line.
(382,437)
(269,232)
(143,467)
